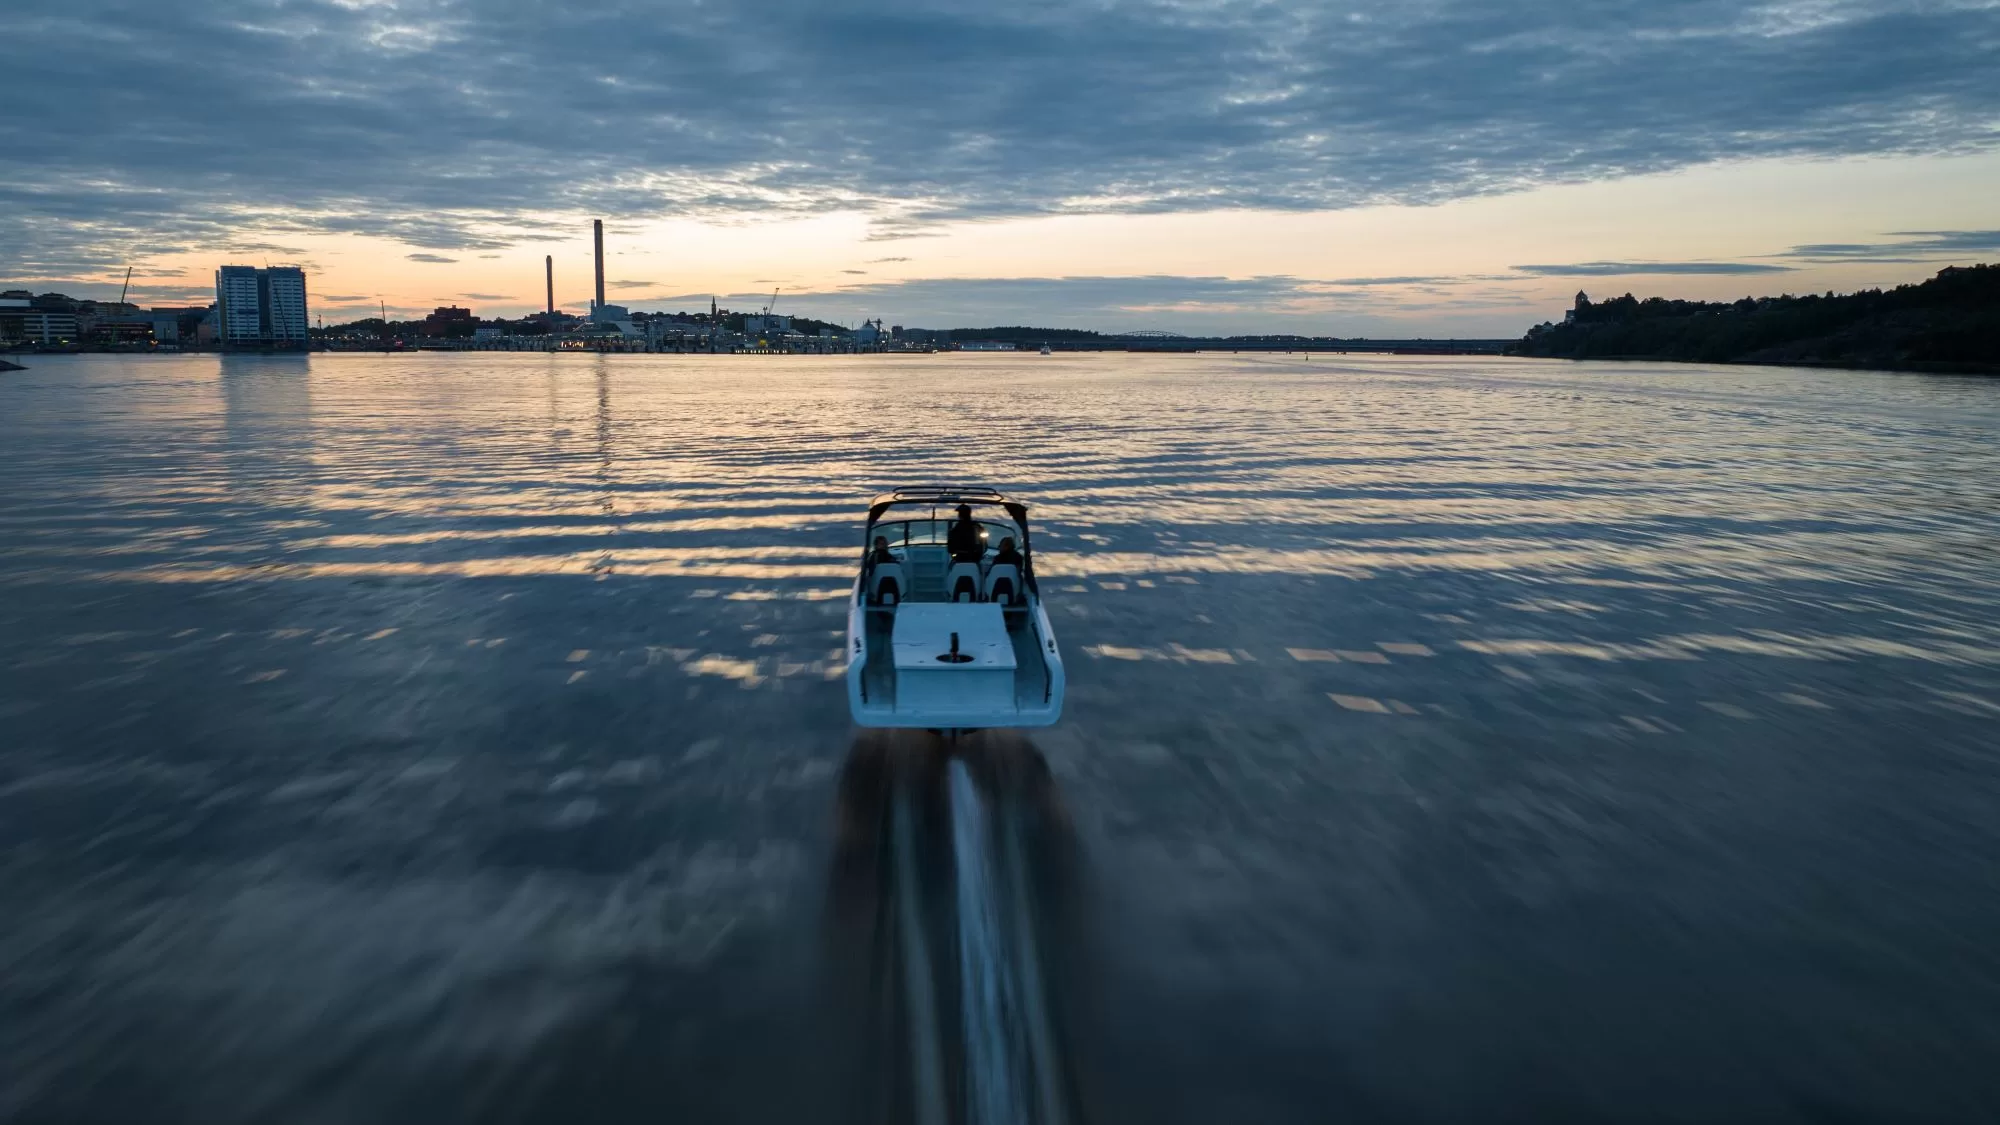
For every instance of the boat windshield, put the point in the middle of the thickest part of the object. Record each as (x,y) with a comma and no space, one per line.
(925,532)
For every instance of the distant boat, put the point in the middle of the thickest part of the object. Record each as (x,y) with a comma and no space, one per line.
(6,366)
(1046,351)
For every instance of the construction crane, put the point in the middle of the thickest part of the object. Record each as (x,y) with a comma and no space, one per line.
(774,302)
(127,288)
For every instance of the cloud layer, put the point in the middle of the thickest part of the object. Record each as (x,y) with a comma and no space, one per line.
(142,126)
(1635,269)
(1903,246)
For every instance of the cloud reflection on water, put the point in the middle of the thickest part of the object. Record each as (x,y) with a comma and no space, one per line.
(508,466)
(1508,714)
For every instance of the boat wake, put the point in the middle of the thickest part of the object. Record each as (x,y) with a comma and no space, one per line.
(949,882)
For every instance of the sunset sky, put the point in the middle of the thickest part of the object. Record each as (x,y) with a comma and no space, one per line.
(1425,168)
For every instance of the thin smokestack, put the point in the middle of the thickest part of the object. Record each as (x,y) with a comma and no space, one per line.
(597,233)
(549,266)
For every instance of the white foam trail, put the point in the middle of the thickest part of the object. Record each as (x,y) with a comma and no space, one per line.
(985,986)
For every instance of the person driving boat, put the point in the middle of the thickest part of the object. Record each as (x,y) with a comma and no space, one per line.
(966,540)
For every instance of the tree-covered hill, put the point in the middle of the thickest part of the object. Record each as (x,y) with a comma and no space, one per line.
(1949,323)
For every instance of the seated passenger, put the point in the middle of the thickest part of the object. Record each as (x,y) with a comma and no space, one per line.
(1007,555)
(885,586)
(966,540)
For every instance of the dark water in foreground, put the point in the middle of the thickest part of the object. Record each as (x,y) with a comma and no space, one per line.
(458,738)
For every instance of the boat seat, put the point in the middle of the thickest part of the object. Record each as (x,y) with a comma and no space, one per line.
(1003,584)
(962,582)
(886,583)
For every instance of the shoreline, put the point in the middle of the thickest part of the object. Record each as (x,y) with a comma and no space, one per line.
(1905,367)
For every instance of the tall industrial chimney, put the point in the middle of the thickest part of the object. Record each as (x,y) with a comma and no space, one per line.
(597,233)
(549,265)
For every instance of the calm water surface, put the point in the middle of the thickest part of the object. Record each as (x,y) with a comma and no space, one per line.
(454,738)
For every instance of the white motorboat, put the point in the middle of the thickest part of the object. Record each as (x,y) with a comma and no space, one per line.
(1046,350)
(946,629)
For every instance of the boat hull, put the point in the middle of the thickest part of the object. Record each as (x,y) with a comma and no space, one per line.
(898,674)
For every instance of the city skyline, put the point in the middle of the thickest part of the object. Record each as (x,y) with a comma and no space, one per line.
(1452,169)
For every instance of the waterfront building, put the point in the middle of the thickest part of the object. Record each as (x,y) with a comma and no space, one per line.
(123,330)
(261,308)
(598,334)
(106,310)
(662,329)
(171,325)
(608,327)
(287,286)
(112,322)
(238,306)
(22,322)
(14,308)
(450,320)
